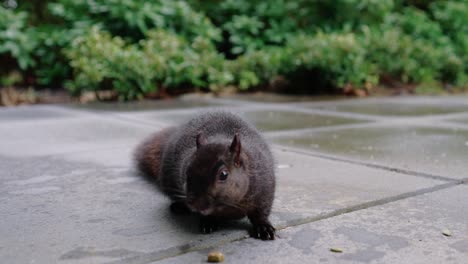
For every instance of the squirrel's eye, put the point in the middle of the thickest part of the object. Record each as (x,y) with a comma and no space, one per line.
(223,175)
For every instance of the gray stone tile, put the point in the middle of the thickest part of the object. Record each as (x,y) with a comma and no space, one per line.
(273,120)
(115,157)
(461,120)
(406,231)
(56,136)
(264,119)
(73,208)
(163,117)
(309,186)
(279,98)
(387,107)
(438,151)
(145,105)
(27,113)
(54,211)
(69,193)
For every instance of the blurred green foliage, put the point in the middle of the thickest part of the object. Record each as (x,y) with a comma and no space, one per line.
(137,47)
(16,39)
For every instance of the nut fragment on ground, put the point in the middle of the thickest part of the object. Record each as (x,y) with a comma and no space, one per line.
(336,250)
(446,232)
(215,256)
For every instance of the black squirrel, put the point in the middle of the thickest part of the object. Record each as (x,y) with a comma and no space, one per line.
(217,165)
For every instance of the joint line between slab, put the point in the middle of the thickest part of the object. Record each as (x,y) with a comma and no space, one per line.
(192,247)
(370,204)
(370,165)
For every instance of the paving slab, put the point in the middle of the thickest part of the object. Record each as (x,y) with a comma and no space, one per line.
(66,135)
(405,231)
(143,105)
(53,210)
(28,113)
(167,117)
(461,120)
(280,98)
(274,120)
(396,106)
(309,186)
(79,209)
(432,150)
(264,119)
(69,192)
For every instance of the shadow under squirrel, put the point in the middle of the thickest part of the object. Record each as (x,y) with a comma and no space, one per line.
(216,165)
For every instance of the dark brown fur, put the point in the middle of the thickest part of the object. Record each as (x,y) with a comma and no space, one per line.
(148,154)
(188,163)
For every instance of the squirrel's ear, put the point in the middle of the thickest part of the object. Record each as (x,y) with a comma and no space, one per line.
(236,149)
(201,140)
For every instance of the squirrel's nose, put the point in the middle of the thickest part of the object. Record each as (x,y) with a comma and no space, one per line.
(200,204)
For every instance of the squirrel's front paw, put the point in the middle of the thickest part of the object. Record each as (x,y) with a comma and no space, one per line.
(179,208)
(208,225)
(264,231)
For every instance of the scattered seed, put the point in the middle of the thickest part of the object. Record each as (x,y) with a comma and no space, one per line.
(446,232)
(336,250)
(215,256)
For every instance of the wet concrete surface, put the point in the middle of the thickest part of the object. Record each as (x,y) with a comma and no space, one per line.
(280,98)
(25,113)
(432,150)
(287,120)
(146,105)
(381,189)
(461,120)
(395,107)
(405,231)
(263,119)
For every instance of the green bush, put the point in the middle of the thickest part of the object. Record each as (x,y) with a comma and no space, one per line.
(138,48)
(16,40)
(453,19)
(424,52)
(255,68)
(101,61)
(163,59)
(410,59)
(342,55)
(351,13)
(134,18)
(252,25)
(51,65)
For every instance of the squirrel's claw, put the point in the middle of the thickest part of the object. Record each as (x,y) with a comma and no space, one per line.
(208,225)
(263,231)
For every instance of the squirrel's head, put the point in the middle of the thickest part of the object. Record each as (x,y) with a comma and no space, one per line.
(216,176)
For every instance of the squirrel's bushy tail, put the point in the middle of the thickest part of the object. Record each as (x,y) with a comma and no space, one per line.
(148,154)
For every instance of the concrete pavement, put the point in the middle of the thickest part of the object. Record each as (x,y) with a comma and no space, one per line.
(379,178)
